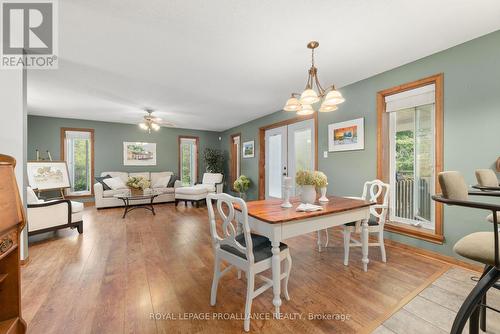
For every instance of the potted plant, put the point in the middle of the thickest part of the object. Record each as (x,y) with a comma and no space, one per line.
(321,183)
(214,160)
(241,185)
(137,184)
(307,182)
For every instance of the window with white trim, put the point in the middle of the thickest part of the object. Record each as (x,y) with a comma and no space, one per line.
(78,150)
(188,160)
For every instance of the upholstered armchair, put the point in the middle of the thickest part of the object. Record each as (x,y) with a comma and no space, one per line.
(45,216)
(213,182)
(482,247)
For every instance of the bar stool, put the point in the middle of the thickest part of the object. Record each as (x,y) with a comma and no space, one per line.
(482,247)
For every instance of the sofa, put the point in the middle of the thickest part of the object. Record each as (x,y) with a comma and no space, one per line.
(106,199)
(45,216)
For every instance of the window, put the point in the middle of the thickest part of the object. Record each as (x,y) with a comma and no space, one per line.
(188,160)
(410,156)
(78,152)
(235,157)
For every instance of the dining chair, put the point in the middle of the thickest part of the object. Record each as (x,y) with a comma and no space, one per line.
(246,251)
(487,181)
(373,191)
(482,247)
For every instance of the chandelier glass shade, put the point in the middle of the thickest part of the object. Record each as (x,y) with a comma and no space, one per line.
(150,122)
(303,103)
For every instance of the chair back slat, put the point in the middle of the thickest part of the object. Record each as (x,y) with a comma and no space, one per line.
(378,192)
(229,225)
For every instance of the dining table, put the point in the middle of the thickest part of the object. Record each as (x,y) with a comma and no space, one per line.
(267,218)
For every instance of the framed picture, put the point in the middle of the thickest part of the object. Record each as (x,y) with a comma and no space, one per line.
(139,154)
(249,149)
(45,175)
(346,136)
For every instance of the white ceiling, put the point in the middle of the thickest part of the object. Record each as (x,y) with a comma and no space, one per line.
(216,64)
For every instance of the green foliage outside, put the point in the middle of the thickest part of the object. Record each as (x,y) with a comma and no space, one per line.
(186,164)
(81,157)
(405,146)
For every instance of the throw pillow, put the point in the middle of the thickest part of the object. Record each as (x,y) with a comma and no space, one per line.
(115,183)
(31,197)
(162,182)
(171,183)
(100,180)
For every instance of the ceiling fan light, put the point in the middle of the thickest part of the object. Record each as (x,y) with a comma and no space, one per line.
(143,126)
(309,96)
(327,108)
(333,98)
(292,104)
(305,110)
(155,126)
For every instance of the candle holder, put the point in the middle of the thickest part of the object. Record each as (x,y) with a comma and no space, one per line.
(287,186)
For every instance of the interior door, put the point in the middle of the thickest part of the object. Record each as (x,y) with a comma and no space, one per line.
(276,160)
(301,149)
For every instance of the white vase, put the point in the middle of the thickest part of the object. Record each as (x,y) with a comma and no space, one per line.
(308,194)
(323,197)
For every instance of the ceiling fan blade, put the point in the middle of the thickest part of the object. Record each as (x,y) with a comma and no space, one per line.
(166,123)
(156,119)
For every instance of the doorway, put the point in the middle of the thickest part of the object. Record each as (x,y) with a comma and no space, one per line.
(286,148)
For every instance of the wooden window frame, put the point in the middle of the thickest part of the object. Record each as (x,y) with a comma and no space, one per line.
(92,156)
(262,146)
(232,161)
(197,141)
(383,153)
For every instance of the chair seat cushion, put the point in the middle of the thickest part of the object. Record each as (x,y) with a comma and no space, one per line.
(191,190)
(490,217)
(478,246)
(208,187)
(373,221)
(261,247)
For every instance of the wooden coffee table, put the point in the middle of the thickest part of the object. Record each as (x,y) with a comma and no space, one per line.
(128,198)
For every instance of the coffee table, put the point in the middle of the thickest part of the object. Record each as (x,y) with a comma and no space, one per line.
(127,198)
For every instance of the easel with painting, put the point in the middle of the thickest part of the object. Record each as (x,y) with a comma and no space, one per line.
(47,175)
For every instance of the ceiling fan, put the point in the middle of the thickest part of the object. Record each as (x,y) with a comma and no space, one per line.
(152,123)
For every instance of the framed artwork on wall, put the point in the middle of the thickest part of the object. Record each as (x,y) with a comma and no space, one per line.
(139,154)
(46,175)
(249,149)
(346,136)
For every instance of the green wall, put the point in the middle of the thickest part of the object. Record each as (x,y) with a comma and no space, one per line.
(471,128)
(44,134)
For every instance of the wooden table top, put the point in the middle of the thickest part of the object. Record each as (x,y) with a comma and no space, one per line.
(270,210)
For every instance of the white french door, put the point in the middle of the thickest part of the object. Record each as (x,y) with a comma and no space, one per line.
(288,149)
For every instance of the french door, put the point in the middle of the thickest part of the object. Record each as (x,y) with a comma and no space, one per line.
(288,149)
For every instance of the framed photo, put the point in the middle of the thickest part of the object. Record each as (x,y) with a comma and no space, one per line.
(346,136)
(139,154)
(45,175)
(249,149)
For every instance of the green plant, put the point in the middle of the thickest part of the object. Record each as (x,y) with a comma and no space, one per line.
(214,160)
(138,182)
(242,184)
(320,179)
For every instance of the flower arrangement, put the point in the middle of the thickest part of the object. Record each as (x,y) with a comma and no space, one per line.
(310,178)
(320,178)
(138,182)
(242,184)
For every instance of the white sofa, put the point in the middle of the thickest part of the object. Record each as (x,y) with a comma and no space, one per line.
(45,216)
(106,199)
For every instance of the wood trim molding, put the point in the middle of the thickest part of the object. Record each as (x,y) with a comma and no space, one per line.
(232,162)
(197,139)
(262,146)
(92,157)
(383,150)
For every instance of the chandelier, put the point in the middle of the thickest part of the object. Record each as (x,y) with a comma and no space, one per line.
(150,122)
(303,103)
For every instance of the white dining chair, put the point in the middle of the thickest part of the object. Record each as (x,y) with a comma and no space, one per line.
(373,191)
(247,252)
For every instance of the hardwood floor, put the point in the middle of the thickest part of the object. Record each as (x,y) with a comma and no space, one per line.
(120,273)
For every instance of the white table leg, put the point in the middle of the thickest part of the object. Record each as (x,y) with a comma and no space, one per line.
(319,241)
(276,263)
(364,241)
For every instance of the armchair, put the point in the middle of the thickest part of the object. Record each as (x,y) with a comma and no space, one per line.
(213,182)
(45,216)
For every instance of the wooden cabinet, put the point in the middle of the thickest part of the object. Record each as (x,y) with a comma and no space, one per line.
(12,221)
